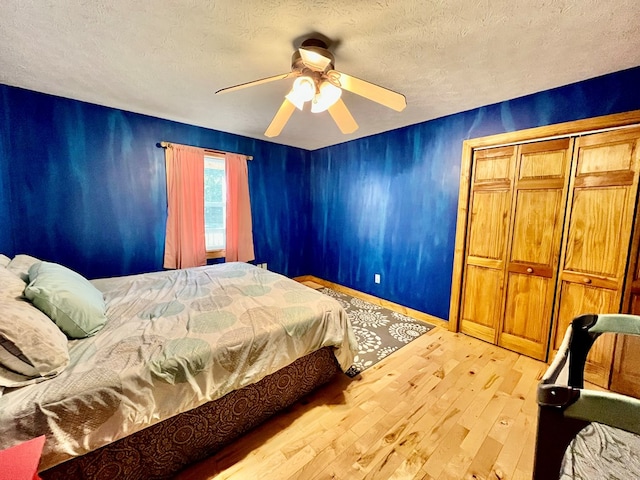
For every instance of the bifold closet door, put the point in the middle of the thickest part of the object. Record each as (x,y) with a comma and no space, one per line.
(487,230)
(595,252)
(538,210)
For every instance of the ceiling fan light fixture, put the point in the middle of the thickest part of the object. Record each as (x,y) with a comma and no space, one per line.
(314,60)
(327,96)
(304,89)
(317,81)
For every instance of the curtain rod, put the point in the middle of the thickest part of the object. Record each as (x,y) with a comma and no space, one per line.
(209,150)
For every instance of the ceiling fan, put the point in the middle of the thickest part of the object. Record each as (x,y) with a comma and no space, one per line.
(317,82)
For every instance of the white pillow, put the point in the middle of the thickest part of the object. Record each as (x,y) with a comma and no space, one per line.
(4,260)
(20,265)
(11,285)
(32,347)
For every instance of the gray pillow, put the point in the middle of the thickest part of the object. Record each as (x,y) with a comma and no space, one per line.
(20,265)
(32,347)
(74,304)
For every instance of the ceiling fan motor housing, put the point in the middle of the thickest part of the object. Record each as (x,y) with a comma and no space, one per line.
(312,45)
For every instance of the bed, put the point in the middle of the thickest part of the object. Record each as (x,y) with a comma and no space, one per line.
(586,434)
(185,362)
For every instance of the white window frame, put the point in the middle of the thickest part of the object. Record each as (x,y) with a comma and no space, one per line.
(214,161)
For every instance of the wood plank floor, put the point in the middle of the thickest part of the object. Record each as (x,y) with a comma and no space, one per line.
(446,406)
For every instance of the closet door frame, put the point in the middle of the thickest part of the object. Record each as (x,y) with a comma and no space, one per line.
(619,120)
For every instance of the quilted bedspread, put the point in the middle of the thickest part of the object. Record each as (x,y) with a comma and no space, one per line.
(173,341)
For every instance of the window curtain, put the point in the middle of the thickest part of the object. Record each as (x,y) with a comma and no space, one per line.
(239,247)
(185,243)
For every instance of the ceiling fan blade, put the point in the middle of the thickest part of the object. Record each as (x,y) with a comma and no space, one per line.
(256,82)
(381,95)
(314,60)
(343,118)
(280,119)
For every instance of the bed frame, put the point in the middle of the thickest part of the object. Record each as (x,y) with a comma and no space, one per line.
(163,449)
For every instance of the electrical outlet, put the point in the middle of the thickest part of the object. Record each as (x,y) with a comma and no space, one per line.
(376,278)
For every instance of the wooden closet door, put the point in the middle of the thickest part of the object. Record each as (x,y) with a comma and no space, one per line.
(539,203)
(597,239)
(625,377)
(488,222)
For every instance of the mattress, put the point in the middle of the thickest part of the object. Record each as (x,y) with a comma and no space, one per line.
(173,341)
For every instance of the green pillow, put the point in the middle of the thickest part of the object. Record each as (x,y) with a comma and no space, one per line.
(67,298)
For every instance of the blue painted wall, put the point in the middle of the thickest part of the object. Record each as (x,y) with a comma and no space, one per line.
(388,203)
(6,237)
(84,186)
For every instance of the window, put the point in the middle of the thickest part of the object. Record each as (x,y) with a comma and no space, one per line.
(215,205)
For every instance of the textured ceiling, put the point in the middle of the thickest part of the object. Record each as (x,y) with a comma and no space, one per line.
(167,58)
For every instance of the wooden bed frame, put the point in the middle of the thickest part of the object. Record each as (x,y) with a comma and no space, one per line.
(163,449)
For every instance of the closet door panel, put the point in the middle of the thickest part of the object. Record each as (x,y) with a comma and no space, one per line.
(481,302)
(598,238)
(487,238)
(491,167)
(635,301)
(596,157)
(538,213)
(488,225)
(482,292)
(575,300)
(626,370)
(526,325)
(545,164)
(597,218)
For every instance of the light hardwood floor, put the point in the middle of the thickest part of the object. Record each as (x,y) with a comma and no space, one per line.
(446,406)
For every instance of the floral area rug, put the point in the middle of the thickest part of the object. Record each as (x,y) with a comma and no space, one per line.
(379,331)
